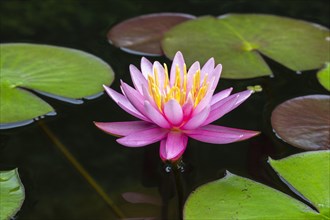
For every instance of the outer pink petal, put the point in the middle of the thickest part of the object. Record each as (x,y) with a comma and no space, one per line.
(220,135)
(146,67)
(154,115)
(226,105)
(197,120)
(221,95)
(123,102)
(178,60)
(134,97)
(123,128)
(207,68)
(173,146)
(173,112)
(220,109)
(143,138)
(138,79)
(215,76)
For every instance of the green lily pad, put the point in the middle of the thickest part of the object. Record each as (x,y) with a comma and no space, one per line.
(303,122)
(61,73)
(142,34)
(12,194)
(238,40)
(324,76)
(235,197)
(308,173)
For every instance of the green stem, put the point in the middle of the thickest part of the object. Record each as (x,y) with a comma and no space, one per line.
(81,170)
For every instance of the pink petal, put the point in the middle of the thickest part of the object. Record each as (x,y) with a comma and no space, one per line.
(221,95)
(123,102)
(220,135)
(135,98)
(187,108)
(173,146)
(161,73)
(191,72)
(204,102)
(154,115)
(138,80)
(207,68)
(221,108)
(242,96)
(143,138)
(173,112)
(123,128)
(146,67)
(197,120)
(226,105)
(215,76)
(178,60)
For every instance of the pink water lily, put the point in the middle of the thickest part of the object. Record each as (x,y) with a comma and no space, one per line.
(173,107)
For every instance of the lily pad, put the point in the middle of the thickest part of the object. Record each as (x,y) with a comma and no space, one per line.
(238,40)
(12,194)
(304,122)
(324,76)
(235,197)
(142,35)
(58,72)
(308,173)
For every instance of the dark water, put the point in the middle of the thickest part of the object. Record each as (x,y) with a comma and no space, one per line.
(56,191)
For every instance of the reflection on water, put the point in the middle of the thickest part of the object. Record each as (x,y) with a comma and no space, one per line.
(54,190)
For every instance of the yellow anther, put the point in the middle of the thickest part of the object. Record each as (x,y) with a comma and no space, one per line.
(185,78)
(156,77)
(200,95)
(166,76)
(177,76)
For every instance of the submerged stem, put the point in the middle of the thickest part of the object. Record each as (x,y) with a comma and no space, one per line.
(74,162)
(177,168)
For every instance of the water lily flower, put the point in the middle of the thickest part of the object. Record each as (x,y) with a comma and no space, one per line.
(174,106)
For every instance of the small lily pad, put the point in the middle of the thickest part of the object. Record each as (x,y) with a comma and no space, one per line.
(142,35)
(58,72)
(235,197)
(324,76)
(238,40)
(12,194)
(304,122)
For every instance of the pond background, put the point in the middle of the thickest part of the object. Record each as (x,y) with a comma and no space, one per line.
(54,190)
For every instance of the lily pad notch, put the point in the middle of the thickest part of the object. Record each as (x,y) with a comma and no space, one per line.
(237,40)
(58,72)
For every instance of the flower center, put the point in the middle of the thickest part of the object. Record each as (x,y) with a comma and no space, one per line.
(184,86)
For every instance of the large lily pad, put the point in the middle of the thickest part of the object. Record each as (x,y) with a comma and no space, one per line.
(237,40)
(11,194)
(142,35)
(324,76)
(59,72)
(304,122)
(235,197)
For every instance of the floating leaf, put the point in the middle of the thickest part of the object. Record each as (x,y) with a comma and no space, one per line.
(237,40)
(58,72)
(308,173)
(11,194)
(324,76)
(143,34)
(304,122)
(235,197)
